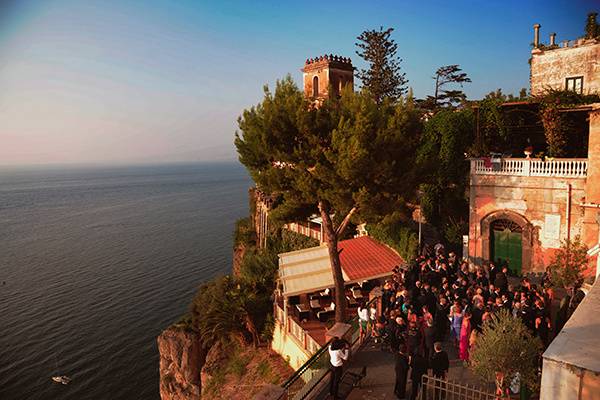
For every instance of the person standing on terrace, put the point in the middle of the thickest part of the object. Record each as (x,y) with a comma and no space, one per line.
(363,321)
(338,353)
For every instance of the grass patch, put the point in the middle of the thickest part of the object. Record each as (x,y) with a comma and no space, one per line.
(238,364)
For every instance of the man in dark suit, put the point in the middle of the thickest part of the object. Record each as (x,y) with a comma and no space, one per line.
(402,366)
(418,365)
(439,364)
(501,280)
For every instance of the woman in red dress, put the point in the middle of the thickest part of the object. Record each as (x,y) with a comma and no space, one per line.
(465,333)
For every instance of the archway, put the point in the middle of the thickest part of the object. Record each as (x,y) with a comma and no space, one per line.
(507,236)
(315,87)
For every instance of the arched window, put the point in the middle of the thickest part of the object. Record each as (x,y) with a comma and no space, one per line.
(340,85)
(316,86)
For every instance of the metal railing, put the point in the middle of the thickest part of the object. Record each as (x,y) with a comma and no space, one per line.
(559,168)
(433,388)
(316,369)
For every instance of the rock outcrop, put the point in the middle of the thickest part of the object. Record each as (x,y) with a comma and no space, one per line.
(182,357)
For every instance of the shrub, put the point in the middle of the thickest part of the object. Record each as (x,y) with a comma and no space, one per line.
(569,262)
(244,232)
(264,369)
(506,348)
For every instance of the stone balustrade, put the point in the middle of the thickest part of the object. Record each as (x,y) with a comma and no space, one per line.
(557,168)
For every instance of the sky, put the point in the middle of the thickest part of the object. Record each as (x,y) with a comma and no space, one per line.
(152,81)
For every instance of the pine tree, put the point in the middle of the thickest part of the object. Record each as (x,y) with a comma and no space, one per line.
(349,158)
(443,97)
(383,79)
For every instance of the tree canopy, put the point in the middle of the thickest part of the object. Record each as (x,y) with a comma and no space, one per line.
(443,170)
(383,79)
(348,157)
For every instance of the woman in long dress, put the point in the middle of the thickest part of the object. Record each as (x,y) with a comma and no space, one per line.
(465,333)
(456,318)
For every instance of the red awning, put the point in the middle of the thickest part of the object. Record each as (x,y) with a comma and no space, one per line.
(364,258)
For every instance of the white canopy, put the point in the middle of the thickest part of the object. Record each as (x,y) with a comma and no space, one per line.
(306,270)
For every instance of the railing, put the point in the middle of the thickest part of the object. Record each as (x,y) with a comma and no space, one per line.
(559,168)
(433,388)
(297,331)
(311,374)
(279,313)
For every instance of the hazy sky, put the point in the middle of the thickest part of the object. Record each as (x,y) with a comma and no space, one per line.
(94,81)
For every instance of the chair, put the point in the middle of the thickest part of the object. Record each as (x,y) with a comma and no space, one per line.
(356,292)
(315,303)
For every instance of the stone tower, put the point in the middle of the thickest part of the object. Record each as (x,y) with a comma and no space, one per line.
(326,73)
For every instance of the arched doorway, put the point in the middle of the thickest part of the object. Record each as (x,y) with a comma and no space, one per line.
(508,236)
(506,239)
(315,87)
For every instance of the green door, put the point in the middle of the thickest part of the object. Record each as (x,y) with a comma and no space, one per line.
(506,245)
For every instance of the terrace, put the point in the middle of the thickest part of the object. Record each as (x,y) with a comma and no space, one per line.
(303,302)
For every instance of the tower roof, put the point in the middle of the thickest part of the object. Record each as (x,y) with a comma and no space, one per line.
(328,60)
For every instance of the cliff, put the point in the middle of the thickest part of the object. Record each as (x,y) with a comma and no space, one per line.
(181,360)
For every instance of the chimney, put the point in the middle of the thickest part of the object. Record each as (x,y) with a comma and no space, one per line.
(553,39)
(536,35)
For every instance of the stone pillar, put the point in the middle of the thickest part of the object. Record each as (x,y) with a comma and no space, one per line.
(536,35)
(592,183)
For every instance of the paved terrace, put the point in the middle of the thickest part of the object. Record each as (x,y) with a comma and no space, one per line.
(381,376)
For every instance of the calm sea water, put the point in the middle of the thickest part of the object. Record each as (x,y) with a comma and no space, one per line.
(95,262)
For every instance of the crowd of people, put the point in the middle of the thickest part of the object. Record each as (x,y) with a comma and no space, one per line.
(437,297)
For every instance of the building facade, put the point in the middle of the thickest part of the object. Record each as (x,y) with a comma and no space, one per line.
(520,209)
(572,65)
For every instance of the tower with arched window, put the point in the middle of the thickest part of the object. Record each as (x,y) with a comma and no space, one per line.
(327,75)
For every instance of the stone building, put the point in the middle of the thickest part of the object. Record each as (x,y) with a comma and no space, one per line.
(325,73)
(573,65)
(522,208)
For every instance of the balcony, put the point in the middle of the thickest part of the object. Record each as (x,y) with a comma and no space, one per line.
(559,168)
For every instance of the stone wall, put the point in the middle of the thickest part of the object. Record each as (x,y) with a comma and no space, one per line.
(550,68)
(538,204)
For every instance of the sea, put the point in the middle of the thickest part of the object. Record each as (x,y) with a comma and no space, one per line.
(96,261)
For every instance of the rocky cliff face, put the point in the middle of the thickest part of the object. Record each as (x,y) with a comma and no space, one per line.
(238,257)
(181,360)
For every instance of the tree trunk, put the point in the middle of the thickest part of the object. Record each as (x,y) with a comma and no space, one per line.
(331,237)
(252,329)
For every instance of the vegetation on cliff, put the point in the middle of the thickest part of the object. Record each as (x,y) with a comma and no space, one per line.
(232,315)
